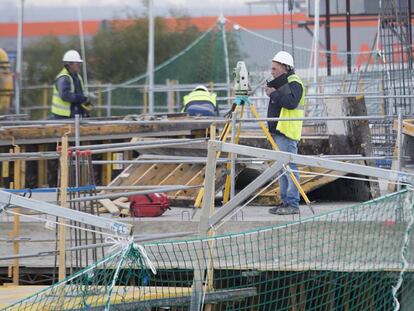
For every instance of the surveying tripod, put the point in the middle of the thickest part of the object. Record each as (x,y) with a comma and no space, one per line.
(242,91)
(242,88)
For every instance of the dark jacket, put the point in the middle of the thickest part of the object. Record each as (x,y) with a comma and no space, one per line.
(280,99)
(76,98)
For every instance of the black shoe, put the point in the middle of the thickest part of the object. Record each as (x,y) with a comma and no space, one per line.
(288,210)
(274,209)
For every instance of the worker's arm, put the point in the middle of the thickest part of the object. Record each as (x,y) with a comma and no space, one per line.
(288,101)
(63,86)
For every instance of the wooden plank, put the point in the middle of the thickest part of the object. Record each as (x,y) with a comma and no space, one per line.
(107,169)
(133,298)
(154,174)
(128,176)
(150,172)
(110,206)
(171,178)
(408,127)
(16,218)
(56,131)
(160,171)
(123,205)
(42,168)
(194,176)
(63,203)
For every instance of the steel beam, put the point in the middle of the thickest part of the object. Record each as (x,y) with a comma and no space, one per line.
(320,162)
(208,205)
(284,158)
(115,227)
(228,208)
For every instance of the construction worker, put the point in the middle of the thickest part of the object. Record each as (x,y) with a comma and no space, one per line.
(200,102)
(287,100)
(69,96)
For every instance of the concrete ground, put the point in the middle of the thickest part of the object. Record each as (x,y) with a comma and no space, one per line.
(38,236)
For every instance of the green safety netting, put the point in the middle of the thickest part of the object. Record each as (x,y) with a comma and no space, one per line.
(356,258)
(203,61)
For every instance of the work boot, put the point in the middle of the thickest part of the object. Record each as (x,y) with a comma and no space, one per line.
(274,209)
(288,210)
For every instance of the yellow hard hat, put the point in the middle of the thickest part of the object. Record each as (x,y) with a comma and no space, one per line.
(4,58)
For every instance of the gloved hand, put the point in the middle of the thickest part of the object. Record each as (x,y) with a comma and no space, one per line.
(87,106)
(241,99)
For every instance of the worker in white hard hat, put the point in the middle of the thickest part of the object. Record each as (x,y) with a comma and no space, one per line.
(200,102)
(286,100)
(69,96)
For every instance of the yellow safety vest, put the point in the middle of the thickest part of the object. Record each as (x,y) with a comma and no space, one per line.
(59,106)
(293,129)
(199,95)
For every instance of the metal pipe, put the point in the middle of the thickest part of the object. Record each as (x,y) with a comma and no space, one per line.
(115,188)
(151,55)
(19,57)
(232,156)
(157,87)
(146,146)
(141,143)
(222,21)
(14,123)
(160,161)
(109,100)
(328,35)
(28,156)
(410,34)
(77,144)
(218,121)
(82,44)
(91,246)
(226,98)
(316,43)
(116,227)
(348,35)
(77,130)
(125,194)
(53,155)
(224,121)
(399,144)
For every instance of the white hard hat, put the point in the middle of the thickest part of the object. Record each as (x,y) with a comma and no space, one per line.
(72,56)
(200,87)
(284,58)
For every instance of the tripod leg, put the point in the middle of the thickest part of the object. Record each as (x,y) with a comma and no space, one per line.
(276,148)
(223,137)
(226,193)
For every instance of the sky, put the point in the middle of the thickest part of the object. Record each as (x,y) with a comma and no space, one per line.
(47,10)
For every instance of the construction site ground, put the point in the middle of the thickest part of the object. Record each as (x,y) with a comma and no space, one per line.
(174,221)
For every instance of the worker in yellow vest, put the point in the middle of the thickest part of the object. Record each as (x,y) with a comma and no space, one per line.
(287,100)
(69,96)
(200,102)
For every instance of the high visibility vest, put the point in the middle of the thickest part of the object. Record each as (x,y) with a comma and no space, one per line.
(197,96)
(59,106)
(293,129)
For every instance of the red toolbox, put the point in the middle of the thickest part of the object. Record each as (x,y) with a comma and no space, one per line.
(148,205)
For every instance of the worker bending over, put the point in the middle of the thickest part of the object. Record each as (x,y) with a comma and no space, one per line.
(200,102)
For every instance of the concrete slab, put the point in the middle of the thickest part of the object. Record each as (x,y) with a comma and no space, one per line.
(37,238)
